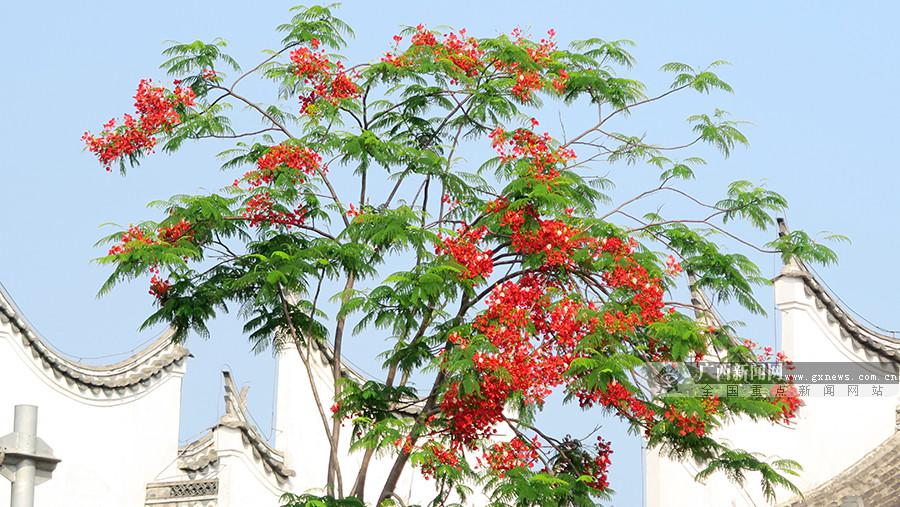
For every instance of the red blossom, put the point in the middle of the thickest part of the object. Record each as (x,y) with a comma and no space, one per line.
(436,456)
(423,37)
(260,209)
(787,399)
(132,237)
(176,232)
(686,424)
(517,453)
(462,247)
(598,468)
(327,79)
(543,158)
(156,111)
(159,287)
(295,161)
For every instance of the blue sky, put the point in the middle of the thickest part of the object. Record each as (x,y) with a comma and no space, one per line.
(818,81)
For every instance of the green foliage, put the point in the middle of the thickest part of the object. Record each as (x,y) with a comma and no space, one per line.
(315,22)
(359,230)
(717,131)
(308,500)
(798,244)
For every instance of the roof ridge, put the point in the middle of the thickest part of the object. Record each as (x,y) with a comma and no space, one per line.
(867,464)
(237,417)
(885,346)
(131,373)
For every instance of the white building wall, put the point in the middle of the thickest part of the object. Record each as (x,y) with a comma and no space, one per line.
(110,446)
(242,479)
(828,435)
(299,433)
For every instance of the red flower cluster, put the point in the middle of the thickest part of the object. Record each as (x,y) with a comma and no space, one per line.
(628,274)
(328,79)
(477,263)
(446,199)
(544,159)
(517,453)
(176,232)
(165,236)
(711,404)
(556,240)
(471,417)
(623,401)
(560,81)
(136,236)
(463,52)
(687,424)
(458,49)
(437,455)
(533,332)
(297,161)
(528,80)
(423,37)
(259,209)
(673,267)
(533,340)
(598,469)
(159,288)
(787,399)
(156,112)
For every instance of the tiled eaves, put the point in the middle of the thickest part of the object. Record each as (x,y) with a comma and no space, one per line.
(132,375)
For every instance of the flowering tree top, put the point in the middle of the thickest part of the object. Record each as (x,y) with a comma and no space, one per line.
(504,281)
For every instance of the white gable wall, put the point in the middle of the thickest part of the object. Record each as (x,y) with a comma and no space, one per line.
(828,435)
(110,446)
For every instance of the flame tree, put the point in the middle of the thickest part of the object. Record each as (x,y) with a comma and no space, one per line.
(499,282)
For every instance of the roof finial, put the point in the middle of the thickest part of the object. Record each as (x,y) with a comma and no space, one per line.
(782,227)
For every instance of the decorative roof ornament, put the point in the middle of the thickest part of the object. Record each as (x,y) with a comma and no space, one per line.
(202,453)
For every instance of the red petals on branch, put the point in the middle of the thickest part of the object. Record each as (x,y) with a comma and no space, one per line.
(542,157)
(788,400)
(477,263)
(328,80)
(529,80)
(686,424)
(423,37)
(296,161)
(159,288)
(176,232)
(599,467)
(260,210)
(553,238)
(457,49)
(129,238)
(438,455)
(517,453)
(156,112)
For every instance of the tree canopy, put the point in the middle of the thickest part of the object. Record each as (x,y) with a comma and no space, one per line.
(501,281)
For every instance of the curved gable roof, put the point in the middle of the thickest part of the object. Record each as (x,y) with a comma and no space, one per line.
(135,373)
(885,346)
